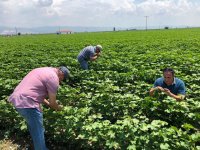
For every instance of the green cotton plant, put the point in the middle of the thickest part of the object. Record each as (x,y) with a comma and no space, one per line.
(10,120)
(7,86)
(108,106)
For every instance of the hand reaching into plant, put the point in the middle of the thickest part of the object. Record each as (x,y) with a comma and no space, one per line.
(167,92)
(98,54)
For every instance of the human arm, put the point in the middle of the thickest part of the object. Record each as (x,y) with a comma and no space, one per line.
(178,97)
(52,85)
(98,54)
(180,91)
(51,102)
(46,102)
(152,90)
(95,56)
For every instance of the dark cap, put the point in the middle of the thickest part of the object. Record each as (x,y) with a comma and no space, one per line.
(66,72)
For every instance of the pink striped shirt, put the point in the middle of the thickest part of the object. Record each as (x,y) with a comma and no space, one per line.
(34,88)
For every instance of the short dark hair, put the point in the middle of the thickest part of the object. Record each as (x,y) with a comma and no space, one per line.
(169,70)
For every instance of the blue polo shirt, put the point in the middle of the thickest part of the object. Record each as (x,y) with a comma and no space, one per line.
(178,86)
(86,53)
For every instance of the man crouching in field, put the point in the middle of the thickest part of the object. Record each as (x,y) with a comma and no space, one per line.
(31,92)
(89,53)
(170,85)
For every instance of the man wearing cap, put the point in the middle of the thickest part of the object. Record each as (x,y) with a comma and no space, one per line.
(170,85)
(31,92)
(89,53)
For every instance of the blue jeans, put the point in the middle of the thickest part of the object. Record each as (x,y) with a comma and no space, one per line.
(83,63)
(34,119)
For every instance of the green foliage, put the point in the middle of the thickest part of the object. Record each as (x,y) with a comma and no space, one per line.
(108,106)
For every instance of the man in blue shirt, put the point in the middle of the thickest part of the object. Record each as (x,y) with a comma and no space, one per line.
(170,85)
(89,53)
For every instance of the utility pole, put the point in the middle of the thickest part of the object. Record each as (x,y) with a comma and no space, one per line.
(16,30)
(146,21)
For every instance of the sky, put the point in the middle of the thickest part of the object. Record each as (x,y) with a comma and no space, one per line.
(99,13)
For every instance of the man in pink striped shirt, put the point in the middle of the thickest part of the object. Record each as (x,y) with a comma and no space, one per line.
(33,90)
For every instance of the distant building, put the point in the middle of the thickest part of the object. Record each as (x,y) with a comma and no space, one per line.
(8,33)
(64,32)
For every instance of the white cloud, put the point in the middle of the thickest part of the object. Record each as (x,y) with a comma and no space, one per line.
(125,13)
(44,3)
